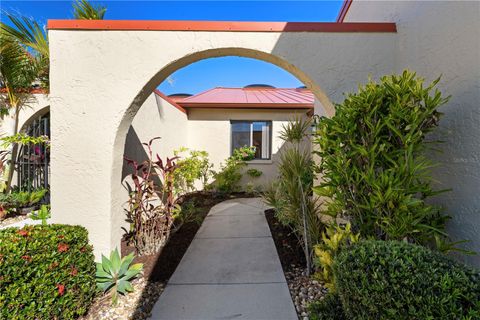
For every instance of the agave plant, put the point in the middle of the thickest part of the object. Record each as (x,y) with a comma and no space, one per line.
(115,274)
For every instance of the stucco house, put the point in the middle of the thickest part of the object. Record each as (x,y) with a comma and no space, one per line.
(218,121)
(100,105)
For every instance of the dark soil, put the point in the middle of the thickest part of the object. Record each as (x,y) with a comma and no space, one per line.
(288,247)
(160,267)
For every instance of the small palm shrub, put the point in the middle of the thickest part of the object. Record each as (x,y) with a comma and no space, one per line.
(46,272)
(373,159)
(151,204)
(290,195)
(333,241)
(329,308)
(398,280)
(193,167)
(296,130)
(115,274)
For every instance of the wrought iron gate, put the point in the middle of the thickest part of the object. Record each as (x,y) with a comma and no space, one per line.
(33,161)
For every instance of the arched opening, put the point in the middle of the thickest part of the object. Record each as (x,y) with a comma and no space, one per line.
(124,132)
(32,165)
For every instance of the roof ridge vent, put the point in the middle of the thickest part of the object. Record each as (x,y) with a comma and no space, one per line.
(259,86)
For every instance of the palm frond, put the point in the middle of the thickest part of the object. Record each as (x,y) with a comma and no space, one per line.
(17,69)
(29,33)
(84,10)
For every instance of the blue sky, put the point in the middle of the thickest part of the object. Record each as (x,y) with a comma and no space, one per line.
(227,71)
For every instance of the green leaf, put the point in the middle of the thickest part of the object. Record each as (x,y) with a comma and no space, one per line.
(115,261)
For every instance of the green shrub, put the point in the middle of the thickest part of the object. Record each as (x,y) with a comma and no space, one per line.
(254,173)
(191,168)
(373,164)
(330,308)
(397,280)
(21,199)
(228,178)
(244,153)
(335,239)
(46,272)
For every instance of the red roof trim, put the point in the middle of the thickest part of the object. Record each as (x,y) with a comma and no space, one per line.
(175,25)
(248,105)
(343,10)
(173,103)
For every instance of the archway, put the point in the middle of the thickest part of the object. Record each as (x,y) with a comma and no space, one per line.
(113,72)
(321,99)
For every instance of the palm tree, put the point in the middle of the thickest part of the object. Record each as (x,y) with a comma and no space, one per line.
(23,61)
(82,9)
(34,41)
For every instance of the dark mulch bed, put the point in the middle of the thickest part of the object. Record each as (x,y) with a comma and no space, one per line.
(289,249)
(160,267)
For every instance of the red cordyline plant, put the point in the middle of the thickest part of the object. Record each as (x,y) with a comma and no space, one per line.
(151,205)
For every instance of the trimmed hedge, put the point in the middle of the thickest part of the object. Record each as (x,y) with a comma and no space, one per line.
(329,308)
(397,280)
(46,272)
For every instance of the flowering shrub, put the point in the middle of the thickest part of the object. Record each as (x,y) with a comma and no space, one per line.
(46,272)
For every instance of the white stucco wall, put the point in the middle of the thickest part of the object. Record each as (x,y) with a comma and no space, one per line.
(34,104)
(442,38)
(111,73)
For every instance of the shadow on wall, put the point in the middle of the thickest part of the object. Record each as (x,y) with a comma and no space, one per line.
(424,52)
(134,150)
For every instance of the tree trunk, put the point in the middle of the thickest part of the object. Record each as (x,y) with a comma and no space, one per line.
(13,155)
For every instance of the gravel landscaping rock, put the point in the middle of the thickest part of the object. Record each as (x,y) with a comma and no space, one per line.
(136,305)
(303,290)
(12,220)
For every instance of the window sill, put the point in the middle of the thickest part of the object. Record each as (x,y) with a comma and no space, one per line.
(259,161)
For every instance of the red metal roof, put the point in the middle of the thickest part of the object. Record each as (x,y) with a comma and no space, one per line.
(256,97)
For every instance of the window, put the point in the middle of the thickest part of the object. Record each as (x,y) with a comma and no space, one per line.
(253,133)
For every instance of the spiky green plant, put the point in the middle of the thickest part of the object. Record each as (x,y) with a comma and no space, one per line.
(291,193)
(374,160)
(115,274)
(296,129)
(84,10)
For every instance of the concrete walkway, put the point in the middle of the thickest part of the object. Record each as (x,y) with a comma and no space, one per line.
(230,271)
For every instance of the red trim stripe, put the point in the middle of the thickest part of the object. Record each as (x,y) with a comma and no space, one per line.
(173,103)
(167,25)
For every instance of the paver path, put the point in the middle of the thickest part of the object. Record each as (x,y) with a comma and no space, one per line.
(230,271)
